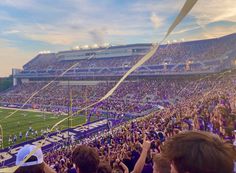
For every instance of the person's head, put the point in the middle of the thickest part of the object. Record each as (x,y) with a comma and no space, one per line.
(199,152)
(160,164)
(34,164)
(117,170)
(86,159)
(104,168)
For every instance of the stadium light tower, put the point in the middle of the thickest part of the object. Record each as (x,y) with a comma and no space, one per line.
(45,52)
(106,45)
(85,47)
(94,46)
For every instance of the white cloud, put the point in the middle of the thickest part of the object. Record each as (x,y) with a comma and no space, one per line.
(186,29)
(156,20)
(75,30)
(10,32)
(52,38)
(206,33)
(212,11)
(218,31)
(161,6)
(55,34)
(98,35)
(80,25)
(22,4)
(205,11)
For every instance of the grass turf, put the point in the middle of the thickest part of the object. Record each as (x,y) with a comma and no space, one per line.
(22,120)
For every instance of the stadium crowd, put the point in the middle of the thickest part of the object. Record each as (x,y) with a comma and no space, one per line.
(170,140)
(172,53)
(194,133)
(130,97)
(134,145)
(127,99)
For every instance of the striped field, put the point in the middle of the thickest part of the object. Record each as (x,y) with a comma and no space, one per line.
(22,120)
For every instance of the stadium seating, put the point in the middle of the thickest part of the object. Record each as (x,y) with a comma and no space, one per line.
(193,103)
(201,56)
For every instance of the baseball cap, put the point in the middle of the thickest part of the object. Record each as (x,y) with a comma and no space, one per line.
(25,151)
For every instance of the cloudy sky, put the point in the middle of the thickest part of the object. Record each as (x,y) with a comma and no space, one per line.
(30,26)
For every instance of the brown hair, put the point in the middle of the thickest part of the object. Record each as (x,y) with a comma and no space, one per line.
(162,165)
(104,168)
(31,169)
(39,168)
(86,159)
(199,152)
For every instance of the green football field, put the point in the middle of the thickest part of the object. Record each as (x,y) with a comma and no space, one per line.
(22,120)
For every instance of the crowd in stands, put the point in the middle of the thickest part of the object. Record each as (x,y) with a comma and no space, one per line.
(101,62)
(41,61)
(171,140)
(123,143)
(212,111)
(196,51)
(130,97)
(180,52)
(56,97)
(194,133)
(162,141)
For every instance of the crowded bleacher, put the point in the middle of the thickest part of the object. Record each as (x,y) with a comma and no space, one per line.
(163,107)
(197,114)
(178,57)
(211,107)
(207,105)
(213,112)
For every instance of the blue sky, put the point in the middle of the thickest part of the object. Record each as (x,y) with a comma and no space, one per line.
(30,26)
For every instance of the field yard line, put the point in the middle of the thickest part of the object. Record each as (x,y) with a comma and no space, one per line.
(29,110)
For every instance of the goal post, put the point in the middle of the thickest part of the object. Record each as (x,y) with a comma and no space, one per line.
(1,137)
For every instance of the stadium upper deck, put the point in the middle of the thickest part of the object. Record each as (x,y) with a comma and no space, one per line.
(203,56)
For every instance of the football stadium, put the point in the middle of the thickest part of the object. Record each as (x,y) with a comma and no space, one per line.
(137,104)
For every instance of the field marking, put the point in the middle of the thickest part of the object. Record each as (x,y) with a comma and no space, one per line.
(27,110)
(53,117)
(38,115)
(35,116)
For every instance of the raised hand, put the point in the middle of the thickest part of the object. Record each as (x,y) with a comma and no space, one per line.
(146,143)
